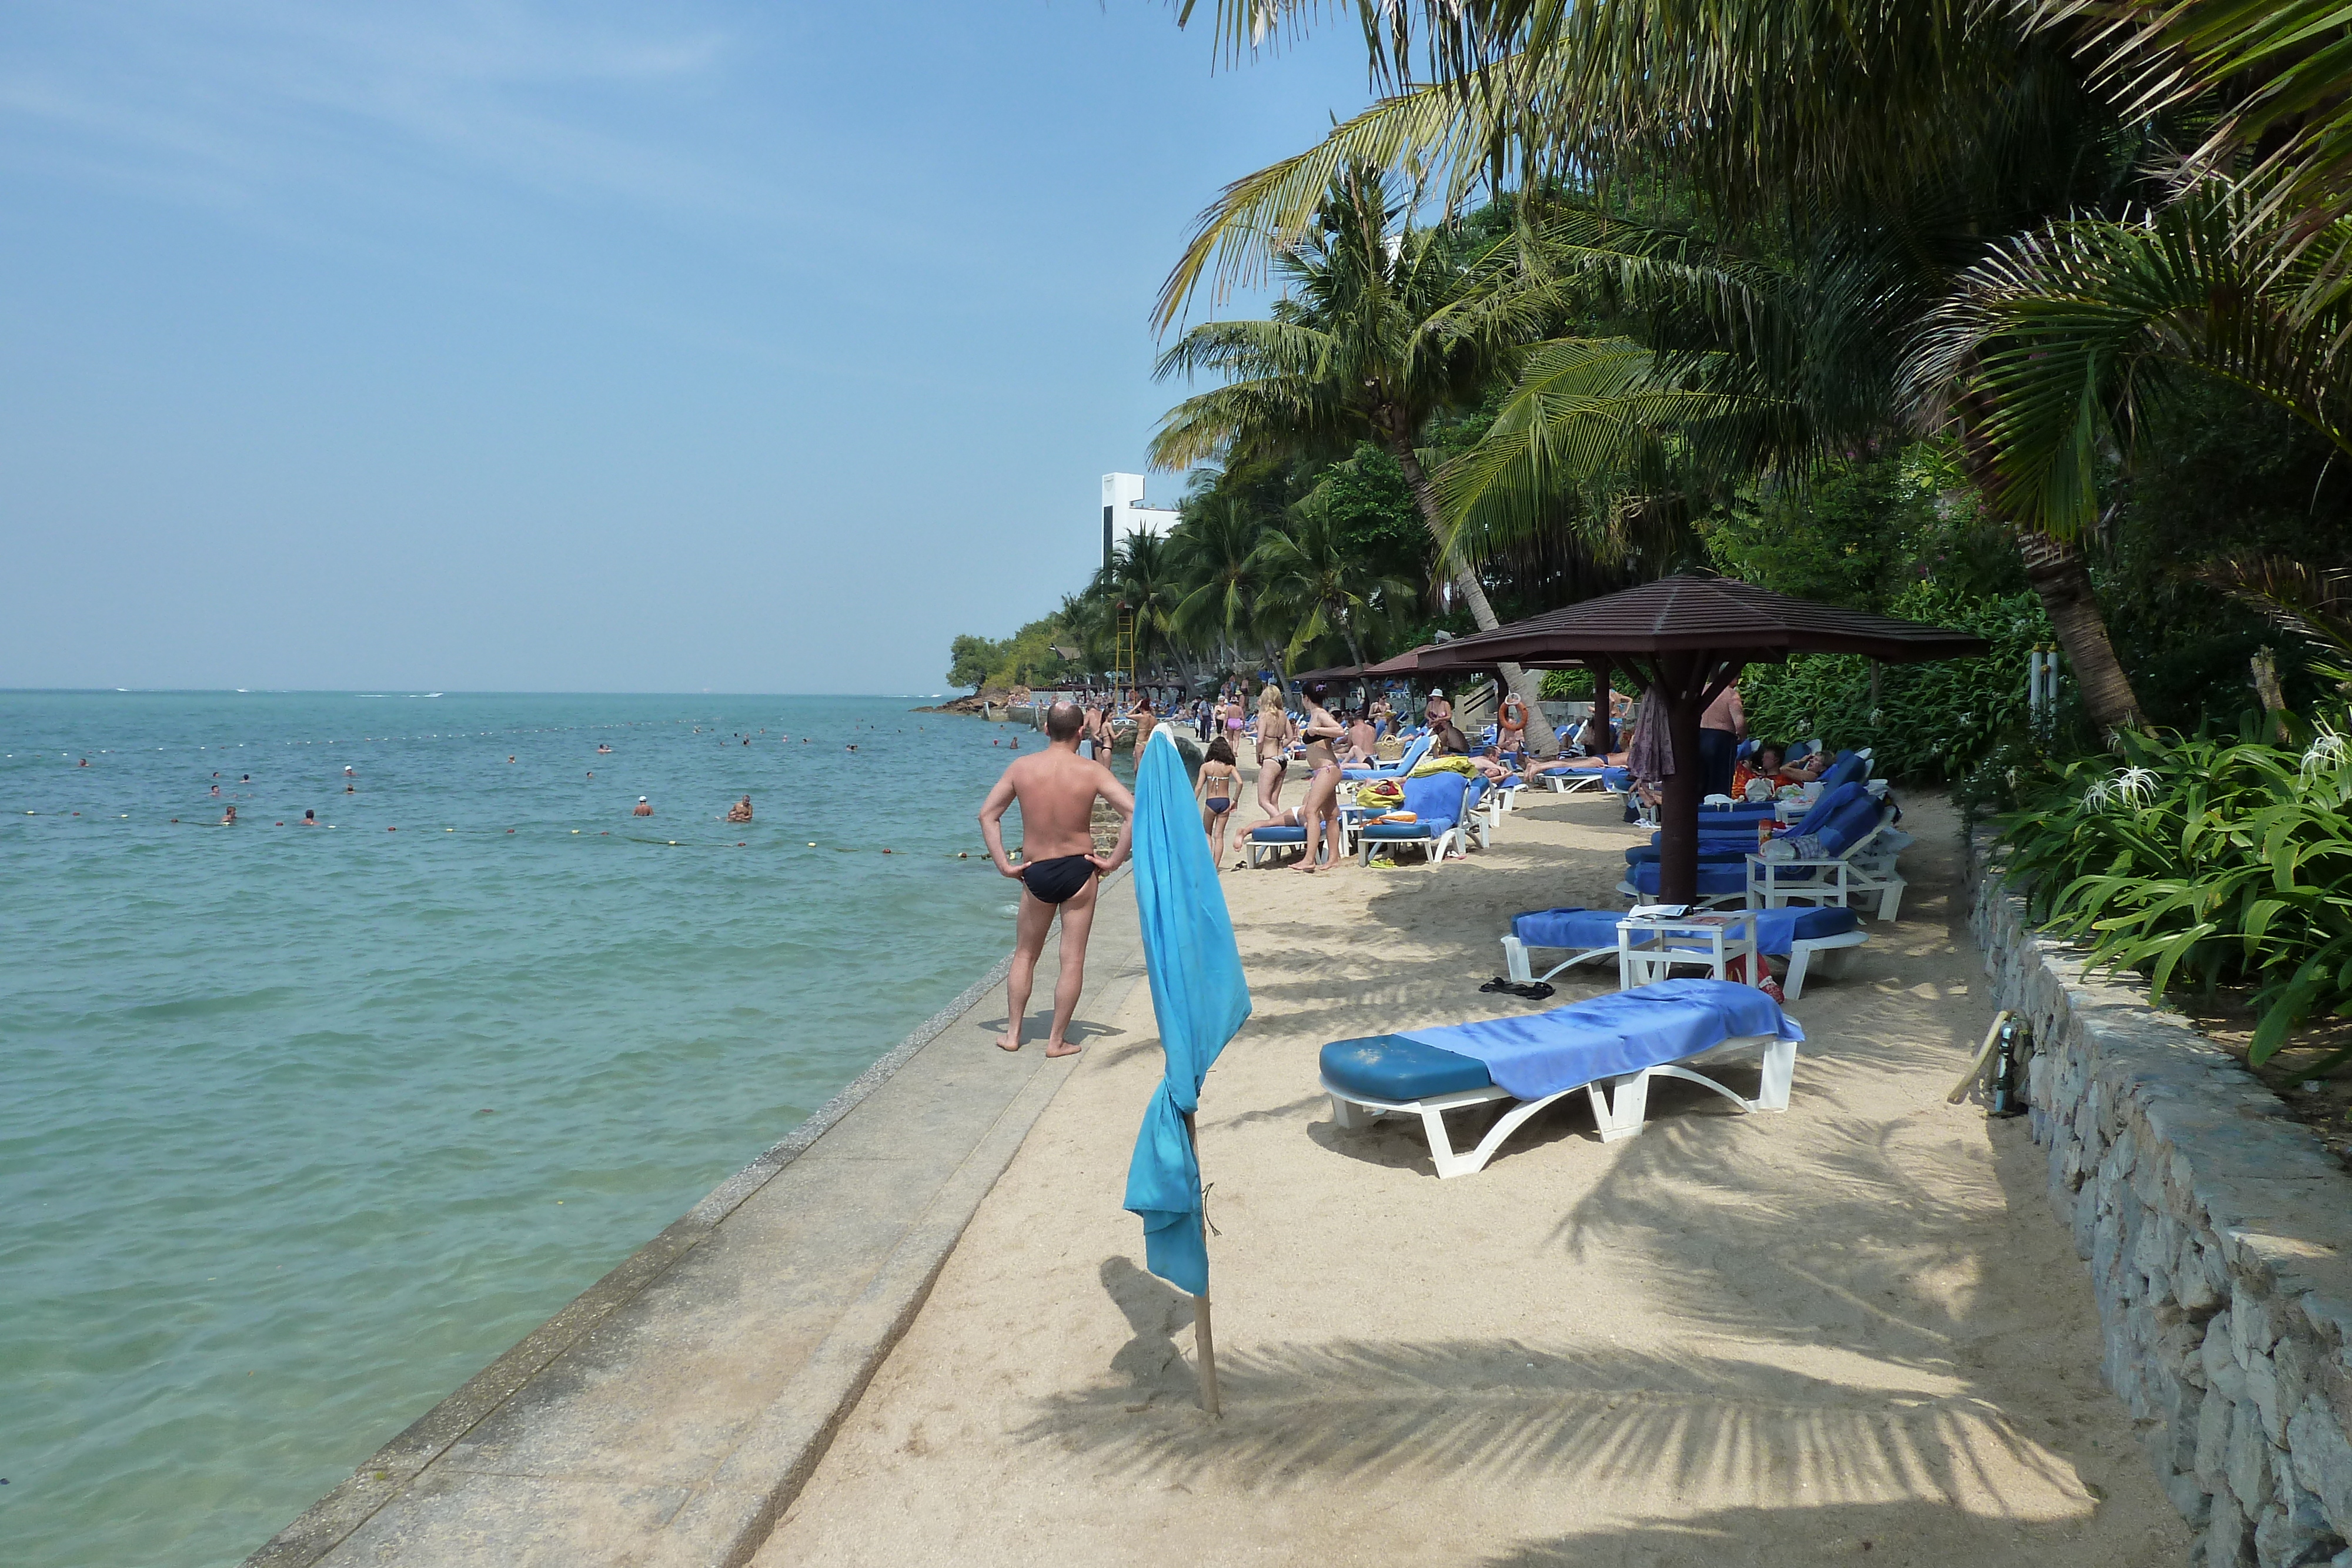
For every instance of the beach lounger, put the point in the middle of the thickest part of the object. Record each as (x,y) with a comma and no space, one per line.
(1267,841)
(1397,769)
(1858,844)
(1611,1047)
(1440,803)
(1811,940)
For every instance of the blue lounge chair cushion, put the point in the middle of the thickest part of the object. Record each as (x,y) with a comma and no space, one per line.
(1581,929)
(1731,851)
(1391,1067)
(1619,780)
(1715,878)
(1531,1056)
(1280,835)
(1576,928)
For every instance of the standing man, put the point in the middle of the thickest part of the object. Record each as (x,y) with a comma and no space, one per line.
(1057,792)
(1720,730)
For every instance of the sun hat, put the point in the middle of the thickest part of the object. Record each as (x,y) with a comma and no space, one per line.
(641,800)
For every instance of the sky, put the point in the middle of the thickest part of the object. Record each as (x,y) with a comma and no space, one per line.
(487,346)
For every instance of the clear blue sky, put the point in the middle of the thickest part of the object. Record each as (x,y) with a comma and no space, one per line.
(463,345)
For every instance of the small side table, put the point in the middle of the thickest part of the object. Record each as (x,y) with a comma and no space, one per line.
(1650,945)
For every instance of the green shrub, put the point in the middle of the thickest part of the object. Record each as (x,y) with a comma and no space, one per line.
(2226,862)
(1567,685)
(1930,722)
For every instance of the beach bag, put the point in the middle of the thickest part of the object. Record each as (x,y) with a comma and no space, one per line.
(1380,793)
(1389,748)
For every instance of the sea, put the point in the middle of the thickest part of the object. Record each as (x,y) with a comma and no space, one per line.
(299,1127)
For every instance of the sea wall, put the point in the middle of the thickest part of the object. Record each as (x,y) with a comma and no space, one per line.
(2218,1235)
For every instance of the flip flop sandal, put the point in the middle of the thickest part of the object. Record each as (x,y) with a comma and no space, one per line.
(1500,984)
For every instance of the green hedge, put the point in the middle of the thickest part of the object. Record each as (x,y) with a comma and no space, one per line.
(1931,722)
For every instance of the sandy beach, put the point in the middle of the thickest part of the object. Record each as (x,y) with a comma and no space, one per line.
(1851,1329)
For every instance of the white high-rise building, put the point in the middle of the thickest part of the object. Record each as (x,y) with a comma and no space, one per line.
(1125,512)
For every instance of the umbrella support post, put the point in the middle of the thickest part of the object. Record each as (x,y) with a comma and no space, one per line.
(1205,1344)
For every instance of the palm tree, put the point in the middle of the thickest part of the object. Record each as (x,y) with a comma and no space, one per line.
(1881,148)
(1143,580)
(1215,553)
(1375,333)
(1318,584)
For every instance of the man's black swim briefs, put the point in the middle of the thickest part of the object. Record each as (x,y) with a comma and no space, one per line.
(1057,880)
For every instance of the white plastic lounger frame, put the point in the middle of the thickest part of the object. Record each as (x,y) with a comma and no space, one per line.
(1861,871)
(1570,780)
(1804,954)
(1516,965)
(1619,1104)
(1831,951)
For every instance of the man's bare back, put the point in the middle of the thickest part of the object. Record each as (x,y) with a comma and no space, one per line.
(1057,789)
(1057,792)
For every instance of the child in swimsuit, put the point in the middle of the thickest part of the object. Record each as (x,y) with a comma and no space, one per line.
(1220,783)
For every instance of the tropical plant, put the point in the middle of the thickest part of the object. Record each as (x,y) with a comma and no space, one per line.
(1925,722)
(1321,586)
(1215,552)
(1850,158)
(1382,323)
(2203,859)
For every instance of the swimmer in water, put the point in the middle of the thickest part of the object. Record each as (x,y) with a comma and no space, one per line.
(740,811)
(348,773)
(645,807)
(229,818)
(310,818)
(216,791)
(602,749)
(348,790)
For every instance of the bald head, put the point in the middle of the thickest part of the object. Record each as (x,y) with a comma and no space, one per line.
(1064,720)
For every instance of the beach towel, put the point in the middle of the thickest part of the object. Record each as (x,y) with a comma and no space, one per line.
(1537,1054)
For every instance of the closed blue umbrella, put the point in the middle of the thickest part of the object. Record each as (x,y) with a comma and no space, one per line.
(1200,1000)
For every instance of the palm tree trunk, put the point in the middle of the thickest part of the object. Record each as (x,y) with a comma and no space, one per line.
(2058,576)
(1473,592)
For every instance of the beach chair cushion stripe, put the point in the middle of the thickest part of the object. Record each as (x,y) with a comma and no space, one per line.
(1391,1067)
(1534,1055)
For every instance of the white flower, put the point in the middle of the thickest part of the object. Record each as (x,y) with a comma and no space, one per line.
(2327,749)
(2135,785)
(2098,794)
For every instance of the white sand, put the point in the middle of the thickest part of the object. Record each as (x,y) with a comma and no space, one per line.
(1854,1328)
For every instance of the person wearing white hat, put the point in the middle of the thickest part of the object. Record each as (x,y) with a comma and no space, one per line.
(1437,712)
(645,807)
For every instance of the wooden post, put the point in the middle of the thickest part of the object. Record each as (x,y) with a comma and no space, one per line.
(1205,1342)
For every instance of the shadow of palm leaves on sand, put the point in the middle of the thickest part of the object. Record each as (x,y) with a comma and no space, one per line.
(1895,1535)
(1507,1412)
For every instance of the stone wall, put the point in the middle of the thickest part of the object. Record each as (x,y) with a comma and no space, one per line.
(2219,1239)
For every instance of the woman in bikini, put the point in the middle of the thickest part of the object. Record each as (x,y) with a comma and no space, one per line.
(1220,785)
(1321,810)
(1272,749)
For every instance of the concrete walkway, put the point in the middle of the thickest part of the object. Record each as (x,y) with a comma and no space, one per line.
(664,1418)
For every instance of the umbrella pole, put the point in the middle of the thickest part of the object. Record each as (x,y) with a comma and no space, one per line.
(1204,1341)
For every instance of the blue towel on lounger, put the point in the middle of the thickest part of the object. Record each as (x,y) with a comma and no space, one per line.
(1542,1053)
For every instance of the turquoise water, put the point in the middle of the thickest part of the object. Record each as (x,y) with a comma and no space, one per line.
(298,1128)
